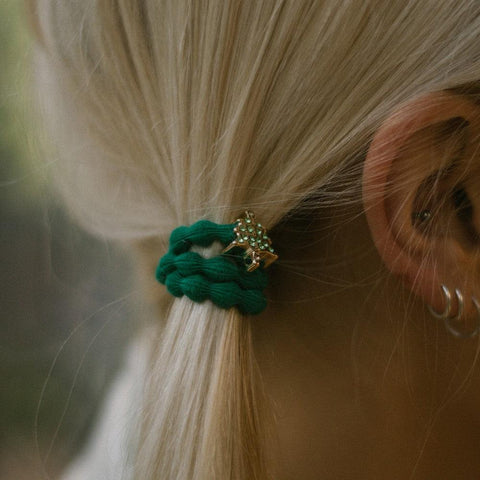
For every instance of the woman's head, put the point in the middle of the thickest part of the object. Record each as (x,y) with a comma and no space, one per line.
(344,114)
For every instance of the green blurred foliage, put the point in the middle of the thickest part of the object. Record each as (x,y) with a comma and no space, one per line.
(22,176)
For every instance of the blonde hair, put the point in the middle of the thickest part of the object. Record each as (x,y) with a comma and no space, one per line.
(167,112)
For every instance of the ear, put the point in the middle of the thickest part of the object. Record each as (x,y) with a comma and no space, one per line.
(421,194)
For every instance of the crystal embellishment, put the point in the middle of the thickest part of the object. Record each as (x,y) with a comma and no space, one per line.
(252,237)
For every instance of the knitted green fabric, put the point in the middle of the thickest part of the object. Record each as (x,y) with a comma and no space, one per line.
(222,279)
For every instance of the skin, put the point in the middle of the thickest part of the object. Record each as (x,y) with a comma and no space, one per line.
(363,382)
(361,388)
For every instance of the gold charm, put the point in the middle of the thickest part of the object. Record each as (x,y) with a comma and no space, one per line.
(253,238)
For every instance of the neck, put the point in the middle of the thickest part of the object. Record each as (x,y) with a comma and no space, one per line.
(361,387)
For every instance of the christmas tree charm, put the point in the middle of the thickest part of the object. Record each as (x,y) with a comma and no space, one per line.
(252,237)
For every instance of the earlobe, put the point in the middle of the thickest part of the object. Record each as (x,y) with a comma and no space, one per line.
(420,191)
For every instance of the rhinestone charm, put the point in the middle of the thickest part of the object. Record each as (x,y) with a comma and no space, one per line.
(253,238)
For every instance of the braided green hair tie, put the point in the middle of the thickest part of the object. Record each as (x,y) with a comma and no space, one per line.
(228,280)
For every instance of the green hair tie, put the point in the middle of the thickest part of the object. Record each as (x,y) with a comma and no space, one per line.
(228,280)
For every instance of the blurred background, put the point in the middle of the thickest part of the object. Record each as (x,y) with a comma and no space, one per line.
(65,303)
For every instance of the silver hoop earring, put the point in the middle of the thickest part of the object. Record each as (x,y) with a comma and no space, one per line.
(476,330)
(446,312)
(472,333)
(449,320)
